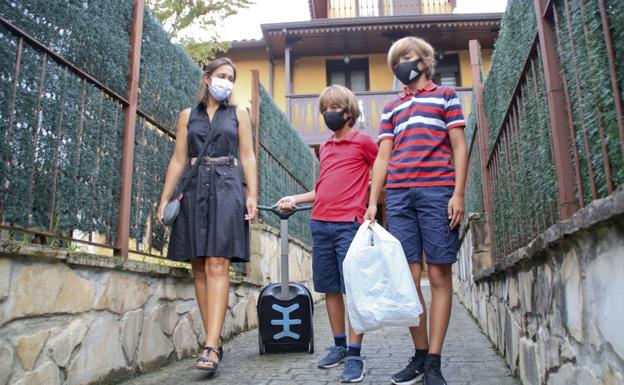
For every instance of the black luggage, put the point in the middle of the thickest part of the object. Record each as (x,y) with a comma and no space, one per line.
(285,310)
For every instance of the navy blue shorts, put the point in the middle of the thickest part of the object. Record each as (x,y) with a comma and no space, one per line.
(330,242)
(418,217)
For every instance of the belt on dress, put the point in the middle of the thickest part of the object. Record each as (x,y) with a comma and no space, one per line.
(223,160)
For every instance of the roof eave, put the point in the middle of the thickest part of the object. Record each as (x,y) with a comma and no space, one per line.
(382,20)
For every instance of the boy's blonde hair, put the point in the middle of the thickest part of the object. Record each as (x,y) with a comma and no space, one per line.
(340,96)
(418,45)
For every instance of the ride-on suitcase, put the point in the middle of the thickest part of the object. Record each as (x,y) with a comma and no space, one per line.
(285,309)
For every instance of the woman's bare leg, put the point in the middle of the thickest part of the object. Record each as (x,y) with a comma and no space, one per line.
(218,283)
(201,289)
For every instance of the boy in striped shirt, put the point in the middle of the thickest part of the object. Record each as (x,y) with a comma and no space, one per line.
(422,150)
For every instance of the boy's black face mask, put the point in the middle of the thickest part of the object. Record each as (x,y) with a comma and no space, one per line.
(408,72)
(334,120)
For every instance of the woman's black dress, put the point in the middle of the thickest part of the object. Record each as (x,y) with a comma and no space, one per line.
(211,222)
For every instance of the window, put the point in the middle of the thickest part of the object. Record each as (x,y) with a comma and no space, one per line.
(447,70)
(353,75)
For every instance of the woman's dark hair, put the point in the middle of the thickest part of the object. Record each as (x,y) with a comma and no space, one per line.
(202,93)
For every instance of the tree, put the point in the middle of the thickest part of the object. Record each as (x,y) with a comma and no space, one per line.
(183,17)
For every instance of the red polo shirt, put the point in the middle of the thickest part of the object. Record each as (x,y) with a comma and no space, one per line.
(342,187)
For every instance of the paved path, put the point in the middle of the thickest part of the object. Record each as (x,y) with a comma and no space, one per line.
(468,358)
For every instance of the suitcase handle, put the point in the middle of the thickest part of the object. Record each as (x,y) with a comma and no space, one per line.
(283,214)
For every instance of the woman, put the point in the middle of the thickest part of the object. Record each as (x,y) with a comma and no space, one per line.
(211,229)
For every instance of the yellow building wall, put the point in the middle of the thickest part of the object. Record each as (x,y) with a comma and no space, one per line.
(257,59)
(245,62)
(309,75)
(279,84)
(464,65)
(486,58)
(379,74)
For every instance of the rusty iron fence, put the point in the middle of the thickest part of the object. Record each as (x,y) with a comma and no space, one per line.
(559,141)
(76,118)
(83,162)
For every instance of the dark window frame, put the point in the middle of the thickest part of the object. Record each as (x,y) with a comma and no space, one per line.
(445,65)
(354,64)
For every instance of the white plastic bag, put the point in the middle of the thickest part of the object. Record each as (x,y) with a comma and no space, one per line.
(378,282)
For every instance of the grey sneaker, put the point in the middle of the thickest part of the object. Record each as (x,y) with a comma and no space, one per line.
(354,369)
(335,355)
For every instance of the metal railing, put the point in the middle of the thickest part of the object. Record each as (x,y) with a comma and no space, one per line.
(545,157)
(371,8)
(308,122)
(74,111)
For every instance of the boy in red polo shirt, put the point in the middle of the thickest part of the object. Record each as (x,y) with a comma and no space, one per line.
(422,150)
(339,204)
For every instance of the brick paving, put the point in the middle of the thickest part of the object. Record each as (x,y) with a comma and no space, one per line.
(467,358)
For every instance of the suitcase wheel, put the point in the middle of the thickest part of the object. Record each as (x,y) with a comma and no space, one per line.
(261,347)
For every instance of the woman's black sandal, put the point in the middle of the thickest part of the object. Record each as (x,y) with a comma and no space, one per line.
(206,359)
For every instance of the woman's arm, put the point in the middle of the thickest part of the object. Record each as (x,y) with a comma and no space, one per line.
(380,169)
(177,163)
(248,162)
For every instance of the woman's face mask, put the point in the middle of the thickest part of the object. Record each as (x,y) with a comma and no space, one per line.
(220,88)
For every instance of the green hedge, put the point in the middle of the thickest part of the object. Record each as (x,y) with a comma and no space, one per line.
(525,192)
(474,181)
(169,78)
(87,162)
(525,188)
(87,126)
(510,52)
(585,70)
(95,36)
(293,155)
(151,157)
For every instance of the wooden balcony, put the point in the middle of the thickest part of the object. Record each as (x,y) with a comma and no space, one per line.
(372,8)
(305,117)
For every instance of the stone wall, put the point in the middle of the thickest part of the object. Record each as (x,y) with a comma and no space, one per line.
(76,318)
(554,309)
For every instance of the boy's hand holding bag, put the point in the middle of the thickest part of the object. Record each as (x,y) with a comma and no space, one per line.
(379,285)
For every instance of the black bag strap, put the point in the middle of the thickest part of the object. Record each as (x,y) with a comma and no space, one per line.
(195,167)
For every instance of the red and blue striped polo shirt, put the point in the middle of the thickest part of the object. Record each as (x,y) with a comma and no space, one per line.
(419,125)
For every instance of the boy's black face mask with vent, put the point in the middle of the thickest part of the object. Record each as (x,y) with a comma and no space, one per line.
(407,72)
(334,120)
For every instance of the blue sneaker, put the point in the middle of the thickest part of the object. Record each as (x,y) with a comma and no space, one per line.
(354,369)
(334,357)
